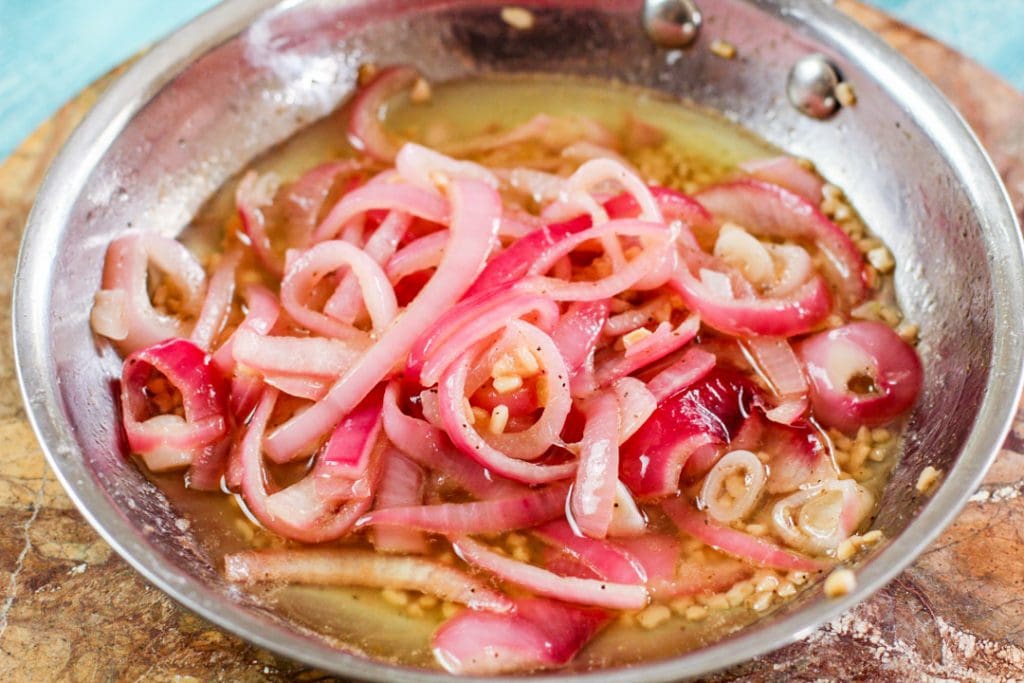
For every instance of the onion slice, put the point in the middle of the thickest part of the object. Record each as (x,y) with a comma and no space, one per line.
(452,392)
(365,128)
(402,484)
(430,447)
(352,567)
(867,351)
(607,560)
(480,517)
(219,295)
(296,512)
(591,592)
(539,634)
(771,211)
(169,441)
(476,214)
(306,270)
(736,543)
(693,366)
(592,502)
(138,323)
(730,464)
(788,173)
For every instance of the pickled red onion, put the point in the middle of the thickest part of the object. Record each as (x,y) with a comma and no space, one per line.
(352,567)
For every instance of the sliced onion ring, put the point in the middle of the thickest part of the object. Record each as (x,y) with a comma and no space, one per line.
(730,464)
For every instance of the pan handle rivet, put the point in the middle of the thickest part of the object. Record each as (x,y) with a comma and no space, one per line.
(811,86)
(672,23)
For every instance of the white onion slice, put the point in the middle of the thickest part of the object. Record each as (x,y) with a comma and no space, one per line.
(818,518)
(730,464)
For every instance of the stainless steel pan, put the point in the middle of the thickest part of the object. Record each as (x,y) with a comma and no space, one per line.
(251,72)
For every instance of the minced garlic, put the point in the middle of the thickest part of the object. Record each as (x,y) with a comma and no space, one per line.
(840,582)
(926,480)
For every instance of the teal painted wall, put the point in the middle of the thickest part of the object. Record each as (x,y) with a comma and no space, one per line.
(51,49)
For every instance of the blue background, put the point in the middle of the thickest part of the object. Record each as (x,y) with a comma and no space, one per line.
(51,49)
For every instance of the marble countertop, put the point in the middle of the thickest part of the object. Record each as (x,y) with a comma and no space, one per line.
(70,609)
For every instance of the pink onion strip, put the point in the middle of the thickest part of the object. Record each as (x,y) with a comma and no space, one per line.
(578,331)
(776,359)
(217,306)
(796,314)
(274,356)
(481,517)
(365,128)
(430,170)
(661,343)
(253,193)
(365,568)
(430,447)
(476,214)
(305,520)
(607,560)
(408,199)
(313,265)
(593,495)
(344,304)
(451,394)
(592,592)
(401,485)
(653,255)
(480,322)
(636,405)
(689,369)
(771,211)
(732,542)
(787,172)
(420,254)
(126,269)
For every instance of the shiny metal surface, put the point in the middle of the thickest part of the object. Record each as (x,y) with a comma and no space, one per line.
(811,86)
(672,23)
(196,108)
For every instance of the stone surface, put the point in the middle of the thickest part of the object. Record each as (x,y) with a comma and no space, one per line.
(72,610)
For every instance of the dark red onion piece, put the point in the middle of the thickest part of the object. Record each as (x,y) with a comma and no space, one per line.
(865,350)
(515,260)
(348,451)
(704,415)
(539,634)
(204,393)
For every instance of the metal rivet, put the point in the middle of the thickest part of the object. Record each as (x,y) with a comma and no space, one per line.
(672,23)
(811,86)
